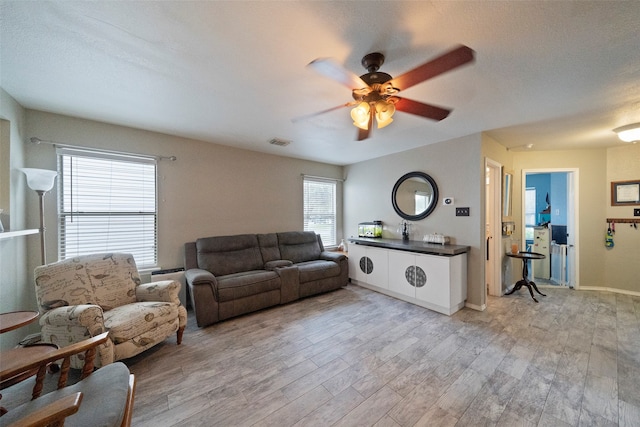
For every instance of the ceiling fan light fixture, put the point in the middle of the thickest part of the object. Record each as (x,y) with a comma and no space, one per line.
(384,113)
(629,133)
(360,115)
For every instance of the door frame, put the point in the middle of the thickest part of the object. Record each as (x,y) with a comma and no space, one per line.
(494,199)
(573,215)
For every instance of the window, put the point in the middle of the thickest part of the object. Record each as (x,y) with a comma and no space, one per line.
(529,212)
(107,204)
(320,208)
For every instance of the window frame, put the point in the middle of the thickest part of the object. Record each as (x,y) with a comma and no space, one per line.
(330,239)
(134,223)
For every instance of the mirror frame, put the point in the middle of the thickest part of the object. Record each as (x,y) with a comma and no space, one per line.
(431,207)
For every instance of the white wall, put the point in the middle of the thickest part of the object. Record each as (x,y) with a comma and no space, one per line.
(458,171)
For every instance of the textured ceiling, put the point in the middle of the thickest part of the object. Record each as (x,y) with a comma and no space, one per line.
(559,75)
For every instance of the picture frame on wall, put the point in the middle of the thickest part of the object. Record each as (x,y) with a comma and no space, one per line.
(625,193)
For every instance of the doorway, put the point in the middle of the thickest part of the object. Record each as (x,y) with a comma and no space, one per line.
(493,228)
(550,224)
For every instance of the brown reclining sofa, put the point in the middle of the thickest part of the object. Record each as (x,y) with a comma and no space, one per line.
(232,275)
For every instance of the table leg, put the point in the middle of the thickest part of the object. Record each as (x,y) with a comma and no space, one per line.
(517,286)
(536,288)
(530,290)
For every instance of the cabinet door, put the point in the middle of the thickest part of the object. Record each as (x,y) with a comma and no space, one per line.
(402,269)
(436,288)
(357,258)
(378,267)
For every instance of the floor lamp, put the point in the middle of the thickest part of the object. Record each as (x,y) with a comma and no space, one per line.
(40,180)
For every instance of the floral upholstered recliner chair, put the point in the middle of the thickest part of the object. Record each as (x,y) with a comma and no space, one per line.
(87,295)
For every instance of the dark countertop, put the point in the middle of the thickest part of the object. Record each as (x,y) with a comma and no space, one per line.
(411,246)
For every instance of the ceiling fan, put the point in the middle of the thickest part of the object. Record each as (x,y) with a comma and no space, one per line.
(375,93)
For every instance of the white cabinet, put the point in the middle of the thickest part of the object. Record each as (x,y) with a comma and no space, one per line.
(433,281)
(369,265)
(445,283)
(541,244)
(402,273)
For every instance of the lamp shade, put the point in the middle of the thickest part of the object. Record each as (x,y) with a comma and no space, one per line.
(629,133)
(384,113)
(360,115)
(40,179)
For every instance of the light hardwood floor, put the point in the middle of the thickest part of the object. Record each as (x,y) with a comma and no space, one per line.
(354,357)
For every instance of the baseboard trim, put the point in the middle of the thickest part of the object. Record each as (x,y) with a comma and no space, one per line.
(476,307)
(605,289)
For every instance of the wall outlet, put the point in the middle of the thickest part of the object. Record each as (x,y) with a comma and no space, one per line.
(636,212)
(462,211)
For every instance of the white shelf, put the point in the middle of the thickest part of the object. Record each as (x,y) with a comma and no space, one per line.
(9,234)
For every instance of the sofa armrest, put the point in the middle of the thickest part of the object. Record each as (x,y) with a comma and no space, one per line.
(88,315)
(198,276)
(163,290)
(203,290)
(332,256)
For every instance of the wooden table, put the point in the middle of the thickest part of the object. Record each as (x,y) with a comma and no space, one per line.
(526,256)
(16,319)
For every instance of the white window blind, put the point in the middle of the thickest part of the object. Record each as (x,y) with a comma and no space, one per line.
(320,209)
(107,204)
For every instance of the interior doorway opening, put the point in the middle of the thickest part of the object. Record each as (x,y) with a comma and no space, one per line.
(550,224)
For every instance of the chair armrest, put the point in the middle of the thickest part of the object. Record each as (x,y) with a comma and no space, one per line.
(88,315)
(163,290)
(28,364)
(52,414)
(332,256)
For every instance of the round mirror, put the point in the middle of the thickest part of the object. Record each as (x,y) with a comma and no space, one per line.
(414,196)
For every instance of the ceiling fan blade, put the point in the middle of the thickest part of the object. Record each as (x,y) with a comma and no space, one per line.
(420,109)
(448,61)
(317,113)
(334,71)
(364,133)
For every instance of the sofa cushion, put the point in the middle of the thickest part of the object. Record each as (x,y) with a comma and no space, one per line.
(247,283)
(224,255)
(269,247)
(299,246)
(131,320)
(317,270)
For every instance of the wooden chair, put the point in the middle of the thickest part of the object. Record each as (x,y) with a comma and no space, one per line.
(103,397)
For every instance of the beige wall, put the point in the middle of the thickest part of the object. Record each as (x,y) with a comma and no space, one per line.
(621,262)
(209,190)
(592,166)
(458,172)
(16,292)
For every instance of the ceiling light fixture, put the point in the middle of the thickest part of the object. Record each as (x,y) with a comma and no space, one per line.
(363,113)
(629,133)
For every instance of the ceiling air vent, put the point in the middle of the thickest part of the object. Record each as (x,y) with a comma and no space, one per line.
(280,142)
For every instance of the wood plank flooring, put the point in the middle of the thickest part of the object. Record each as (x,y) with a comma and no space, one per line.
(354,357)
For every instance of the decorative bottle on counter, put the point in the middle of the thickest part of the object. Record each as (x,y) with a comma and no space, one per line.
(342,247)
